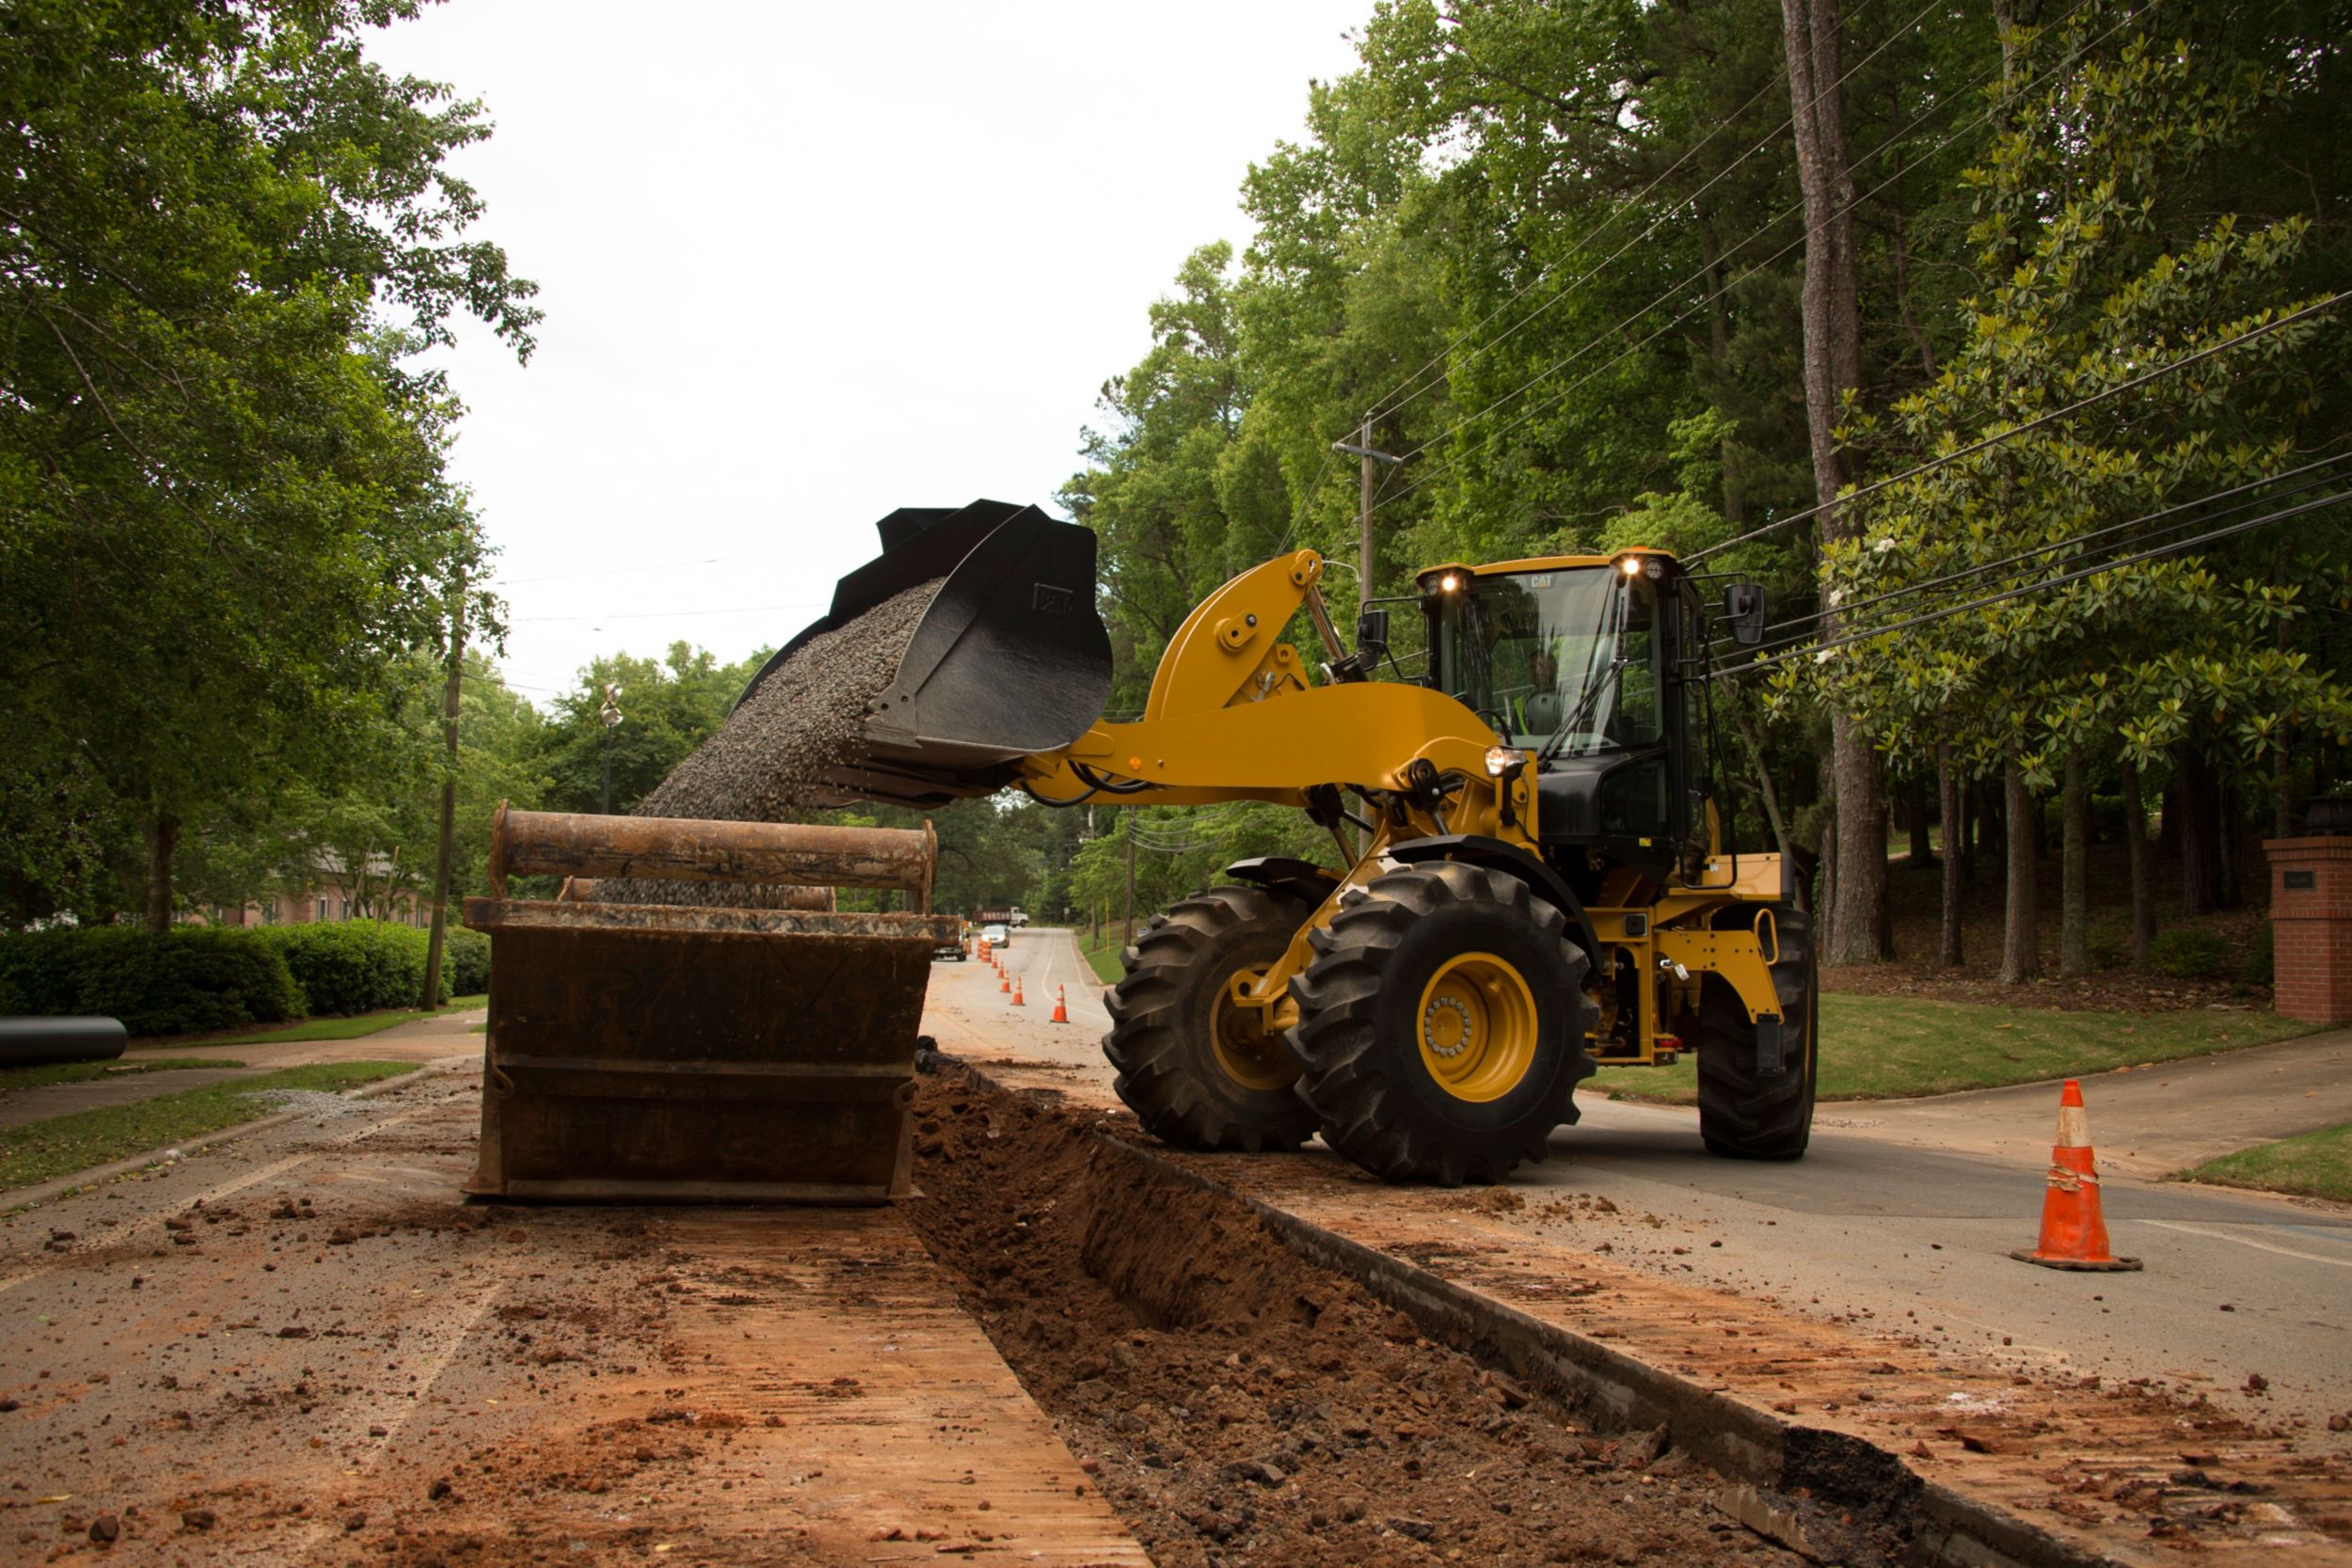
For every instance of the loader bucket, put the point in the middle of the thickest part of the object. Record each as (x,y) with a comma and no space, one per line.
(1011,658)
(647,1053)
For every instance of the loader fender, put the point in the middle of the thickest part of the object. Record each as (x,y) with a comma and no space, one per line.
(1496,854)
(1302,880)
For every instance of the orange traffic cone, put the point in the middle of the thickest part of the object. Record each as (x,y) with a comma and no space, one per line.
(1061,1006)
(1016,992)
(2073,1233)
(1003,984)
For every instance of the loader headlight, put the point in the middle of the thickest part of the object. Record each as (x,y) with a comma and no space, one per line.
(1502,761)
(1631,566)
(1448,584)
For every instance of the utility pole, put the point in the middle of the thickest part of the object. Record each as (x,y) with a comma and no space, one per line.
(1128,822)
(449,795)
(1364,590)
(611,714)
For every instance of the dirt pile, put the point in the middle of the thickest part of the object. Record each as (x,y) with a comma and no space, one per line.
(1238,1405)
(765,760)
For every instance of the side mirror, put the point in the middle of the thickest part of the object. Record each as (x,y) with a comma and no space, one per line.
(1372,632)
(1743,612)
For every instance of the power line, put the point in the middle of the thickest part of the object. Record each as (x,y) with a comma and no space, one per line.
(661,566)
(2036,422)
(1772,633)
(2042,586)
(697,609)
(1383,407)
(1708,296)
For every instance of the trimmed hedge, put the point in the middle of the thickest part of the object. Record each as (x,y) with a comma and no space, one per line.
(465,962)
(354,966)
(194,978)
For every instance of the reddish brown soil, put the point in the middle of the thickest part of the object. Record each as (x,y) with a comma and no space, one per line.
(1239,1406)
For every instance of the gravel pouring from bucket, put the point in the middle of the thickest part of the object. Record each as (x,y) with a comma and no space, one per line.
(656,1053)
(1009,658)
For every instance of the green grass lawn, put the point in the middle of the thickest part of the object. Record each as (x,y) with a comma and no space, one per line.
(60,1145)
(1104,954)
(1888,1048)
(2316,1164)
(350,1027)
(82,1072)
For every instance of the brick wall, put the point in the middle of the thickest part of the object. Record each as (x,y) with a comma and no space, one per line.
(2311,926)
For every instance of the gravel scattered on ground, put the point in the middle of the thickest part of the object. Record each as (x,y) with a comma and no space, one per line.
(766,762)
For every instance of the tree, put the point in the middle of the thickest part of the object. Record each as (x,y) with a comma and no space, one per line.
(226,232)
(2104,265)
(668,707)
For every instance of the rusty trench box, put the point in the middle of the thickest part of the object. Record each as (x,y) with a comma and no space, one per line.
(677,1054)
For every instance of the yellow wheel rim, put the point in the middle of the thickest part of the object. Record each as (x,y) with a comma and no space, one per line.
(1251,1055)
(1478,1027)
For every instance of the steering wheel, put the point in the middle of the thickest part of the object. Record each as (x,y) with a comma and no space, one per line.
(1495,719)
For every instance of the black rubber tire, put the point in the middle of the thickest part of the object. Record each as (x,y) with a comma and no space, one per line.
(1743,1114)
(1359,1034)
(1161,1023)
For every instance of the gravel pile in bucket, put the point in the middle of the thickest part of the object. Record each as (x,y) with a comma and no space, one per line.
(766,761)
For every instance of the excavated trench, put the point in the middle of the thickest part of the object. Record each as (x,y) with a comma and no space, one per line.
(1239,1406)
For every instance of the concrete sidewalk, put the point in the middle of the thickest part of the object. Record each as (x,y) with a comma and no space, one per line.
(2146,1121)
(424,1039)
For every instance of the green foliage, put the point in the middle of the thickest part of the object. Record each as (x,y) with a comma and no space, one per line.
(2097,268)
(668,706)
(465,962)
(2187,952)
(228,522)
(2110,942)
(189,978)
(2261,965)
(355,966)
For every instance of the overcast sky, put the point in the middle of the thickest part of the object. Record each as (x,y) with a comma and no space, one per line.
(804,263)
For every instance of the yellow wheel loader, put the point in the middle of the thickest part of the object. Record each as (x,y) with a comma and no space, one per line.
(1527,875)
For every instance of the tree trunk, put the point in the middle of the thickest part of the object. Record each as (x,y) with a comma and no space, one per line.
(163,842)
(1832,367)
(2228,836)
(1915,808)
(1828,910)
(1947,794)
(447,836)
(1770,795)
(1719,349)
(2075,874)
(2195,796)
(2143,863)
(2021,938)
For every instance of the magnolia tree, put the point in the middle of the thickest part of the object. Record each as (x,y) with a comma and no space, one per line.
(2135,378)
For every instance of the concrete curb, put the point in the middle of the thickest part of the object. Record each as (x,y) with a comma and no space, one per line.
(48,1192)
(1826,1494)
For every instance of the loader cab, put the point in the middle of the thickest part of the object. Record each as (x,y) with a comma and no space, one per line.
(1594,665)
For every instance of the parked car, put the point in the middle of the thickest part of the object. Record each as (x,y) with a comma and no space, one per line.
(951,949)
(995,936)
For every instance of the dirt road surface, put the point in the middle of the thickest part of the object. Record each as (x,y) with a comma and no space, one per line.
(299,1347)
(302,1349)
(1867,1288)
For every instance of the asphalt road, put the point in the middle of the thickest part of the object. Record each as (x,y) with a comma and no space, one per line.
(1904,1214)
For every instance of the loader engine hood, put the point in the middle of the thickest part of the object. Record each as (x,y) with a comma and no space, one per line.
(1011,658)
